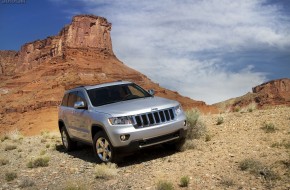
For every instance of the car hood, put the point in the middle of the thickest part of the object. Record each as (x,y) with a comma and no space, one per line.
(136,106)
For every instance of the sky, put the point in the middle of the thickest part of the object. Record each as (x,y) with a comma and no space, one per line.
(209,50)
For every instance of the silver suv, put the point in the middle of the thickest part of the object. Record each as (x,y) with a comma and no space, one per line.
(119,117)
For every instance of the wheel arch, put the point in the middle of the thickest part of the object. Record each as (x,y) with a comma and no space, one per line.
(95,129)
(60,124)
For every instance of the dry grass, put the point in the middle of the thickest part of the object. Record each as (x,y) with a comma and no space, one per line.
(184,181)
(106,171)
(26,183)
(220,120)
(257,168)
(269,127)
(227,182)
(196,129)
(38,162)
(10,176)
(164,185)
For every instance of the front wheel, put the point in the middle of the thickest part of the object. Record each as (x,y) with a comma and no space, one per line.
(103,149)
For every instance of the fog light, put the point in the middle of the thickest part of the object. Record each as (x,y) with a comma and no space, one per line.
(124,137)
(184,123)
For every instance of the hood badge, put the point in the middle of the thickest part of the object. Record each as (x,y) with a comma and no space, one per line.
(154,109)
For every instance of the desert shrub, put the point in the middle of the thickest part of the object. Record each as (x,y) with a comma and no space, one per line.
(237,109)
(207,137)
(164,185)
(38,162)
(10,147)
(26,183)
(43,140)
(257,168)
(284,143)
(14,135)
(269,127)
(106,171)
(3,161)
(227,182)
(47,145)
(220,120)
(4,137)
(184,181)
(196,128)
(9,176)
(42,152)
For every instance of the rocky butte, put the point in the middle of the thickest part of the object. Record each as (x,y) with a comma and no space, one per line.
(271,93)
(33,79)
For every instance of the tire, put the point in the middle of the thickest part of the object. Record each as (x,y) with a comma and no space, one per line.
(67,142)
(103,149)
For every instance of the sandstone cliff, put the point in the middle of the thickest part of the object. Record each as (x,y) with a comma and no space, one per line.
(81,54)
(275,92)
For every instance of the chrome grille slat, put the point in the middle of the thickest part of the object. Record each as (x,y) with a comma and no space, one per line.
(153,118)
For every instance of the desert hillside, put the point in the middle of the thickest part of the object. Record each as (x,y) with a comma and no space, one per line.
(33,80)
(271,93)
(238,150)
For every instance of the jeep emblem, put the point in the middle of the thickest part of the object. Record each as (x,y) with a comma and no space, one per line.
(154,109)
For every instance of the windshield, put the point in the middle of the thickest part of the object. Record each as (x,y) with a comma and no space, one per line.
(117,93)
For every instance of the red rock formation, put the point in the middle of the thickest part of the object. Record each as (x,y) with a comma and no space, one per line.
(81,54)
(275,92)
(7,62)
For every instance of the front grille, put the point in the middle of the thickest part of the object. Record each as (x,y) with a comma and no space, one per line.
(153,118)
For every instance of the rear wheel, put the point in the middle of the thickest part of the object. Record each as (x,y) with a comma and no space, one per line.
(103,149)
(67,142)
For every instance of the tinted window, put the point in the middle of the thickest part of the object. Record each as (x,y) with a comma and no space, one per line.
(64,100)
(117,93)
(72,98)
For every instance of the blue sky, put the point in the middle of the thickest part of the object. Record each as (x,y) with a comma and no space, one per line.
(209,50)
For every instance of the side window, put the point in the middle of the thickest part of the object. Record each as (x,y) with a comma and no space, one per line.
(81,97)
(135,91)
(64,100)
(72,98)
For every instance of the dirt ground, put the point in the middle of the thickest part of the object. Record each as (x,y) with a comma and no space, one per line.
(212,162)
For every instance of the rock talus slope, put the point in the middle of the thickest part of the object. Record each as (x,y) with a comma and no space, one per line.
(35,77)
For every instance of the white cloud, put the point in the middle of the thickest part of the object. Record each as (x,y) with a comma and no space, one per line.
(182,44)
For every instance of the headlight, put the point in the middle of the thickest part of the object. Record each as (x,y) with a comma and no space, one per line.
(120,120)
(178,109)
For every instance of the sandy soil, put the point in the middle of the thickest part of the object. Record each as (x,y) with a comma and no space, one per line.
(213,163)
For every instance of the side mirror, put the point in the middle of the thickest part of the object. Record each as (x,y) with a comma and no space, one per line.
(151,91)
(80,105)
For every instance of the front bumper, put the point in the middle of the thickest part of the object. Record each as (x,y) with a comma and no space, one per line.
(144,143)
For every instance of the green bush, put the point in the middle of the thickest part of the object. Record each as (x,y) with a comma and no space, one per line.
(184,181)
(9,176)
(220,120)
(269,127)
(164,185)
(106,171)
(38,162)
(196,129)
(257,168)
